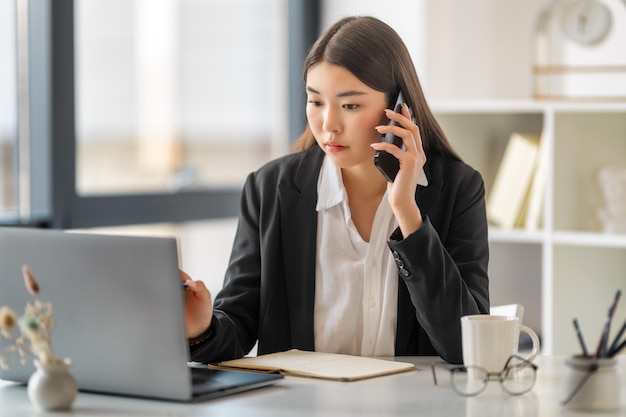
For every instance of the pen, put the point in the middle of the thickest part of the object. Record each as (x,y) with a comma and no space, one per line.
(605,348)
(184,286)
(601,349)
(617,349)
(602,336)
(614,345)
(581,339)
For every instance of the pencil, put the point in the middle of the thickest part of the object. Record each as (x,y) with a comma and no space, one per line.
(601,348)
(616,340)
(605,348)
(617,349)
(581,338)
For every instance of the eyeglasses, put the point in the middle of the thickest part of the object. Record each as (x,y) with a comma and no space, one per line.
(517,378)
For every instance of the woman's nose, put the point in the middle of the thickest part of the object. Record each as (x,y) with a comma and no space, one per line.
(332,122)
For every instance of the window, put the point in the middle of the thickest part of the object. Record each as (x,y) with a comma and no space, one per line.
(173,95)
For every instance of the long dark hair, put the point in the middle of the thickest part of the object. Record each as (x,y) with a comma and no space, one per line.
(374,53)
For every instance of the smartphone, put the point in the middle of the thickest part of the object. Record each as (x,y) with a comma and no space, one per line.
(386,163)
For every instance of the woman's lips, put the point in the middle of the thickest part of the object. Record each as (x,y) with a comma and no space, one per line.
(334,147)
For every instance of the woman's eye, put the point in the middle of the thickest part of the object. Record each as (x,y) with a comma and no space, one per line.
(315,103)
(351,106)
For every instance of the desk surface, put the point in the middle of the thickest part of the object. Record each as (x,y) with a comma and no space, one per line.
(407,394)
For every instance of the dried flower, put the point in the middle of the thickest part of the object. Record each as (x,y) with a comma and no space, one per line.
(29,280)
(8,320)
(35,327)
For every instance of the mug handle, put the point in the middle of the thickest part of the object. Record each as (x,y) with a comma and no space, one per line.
(534,338)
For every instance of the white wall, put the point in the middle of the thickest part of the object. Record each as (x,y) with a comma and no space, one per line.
(463,49)
(205,248)
(480,49)
(405,16)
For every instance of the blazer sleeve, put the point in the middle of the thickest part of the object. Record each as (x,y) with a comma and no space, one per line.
(444,263)
(233,329)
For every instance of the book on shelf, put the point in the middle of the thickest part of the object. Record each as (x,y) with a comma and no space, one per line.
(534,207)
(510,201)
(333,366)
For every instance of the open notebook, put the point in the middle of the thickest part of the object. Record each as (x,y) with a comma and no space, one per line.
(119,313)
(332,366)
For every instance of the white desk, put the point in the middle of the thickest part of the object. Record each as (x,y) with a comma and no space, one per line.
(408,394)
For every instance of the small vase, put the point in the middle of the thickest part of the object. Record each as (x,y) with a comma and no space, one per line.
(51,386)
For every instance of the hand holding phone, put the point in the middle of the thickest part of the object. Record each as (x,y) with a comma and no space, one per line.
(386,163)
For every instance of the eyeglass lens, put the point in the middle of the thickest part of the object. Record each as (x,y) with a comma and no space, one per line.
(469,381)
(518,378)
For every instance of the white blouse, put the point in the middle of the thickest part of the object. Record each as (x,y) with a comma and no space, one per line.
(356,282)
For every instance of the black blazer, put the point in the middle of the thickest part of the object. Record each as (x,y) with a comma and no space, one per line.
(269,287)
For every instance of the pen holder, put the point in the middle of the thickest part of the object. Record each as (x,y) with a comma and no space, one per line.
(591,384)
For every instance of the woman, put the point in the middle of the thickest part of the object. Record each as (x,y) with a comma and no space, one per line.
(329,255)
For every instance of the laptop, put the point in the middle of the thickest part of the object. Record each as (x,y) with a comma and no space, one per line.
(119,312)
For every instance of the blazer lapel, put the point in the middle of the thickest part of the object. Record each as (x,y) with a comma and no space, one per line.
(299,236)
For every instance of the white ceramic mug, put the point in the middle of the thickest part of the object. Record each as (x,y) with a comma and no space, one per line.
(489,341)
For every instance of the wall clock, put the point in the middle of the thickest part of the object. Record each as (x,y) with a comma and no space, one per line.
(586,21)
(580,51)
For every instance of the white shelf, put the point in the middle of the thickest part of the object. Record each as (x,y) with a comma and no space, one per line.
(486,106)
(565,238)
(515,235)
(569,267)
(591,239)
(522,106)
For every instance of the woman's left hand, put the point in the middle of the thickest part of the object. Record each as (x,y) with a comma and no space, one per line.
(401,192)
